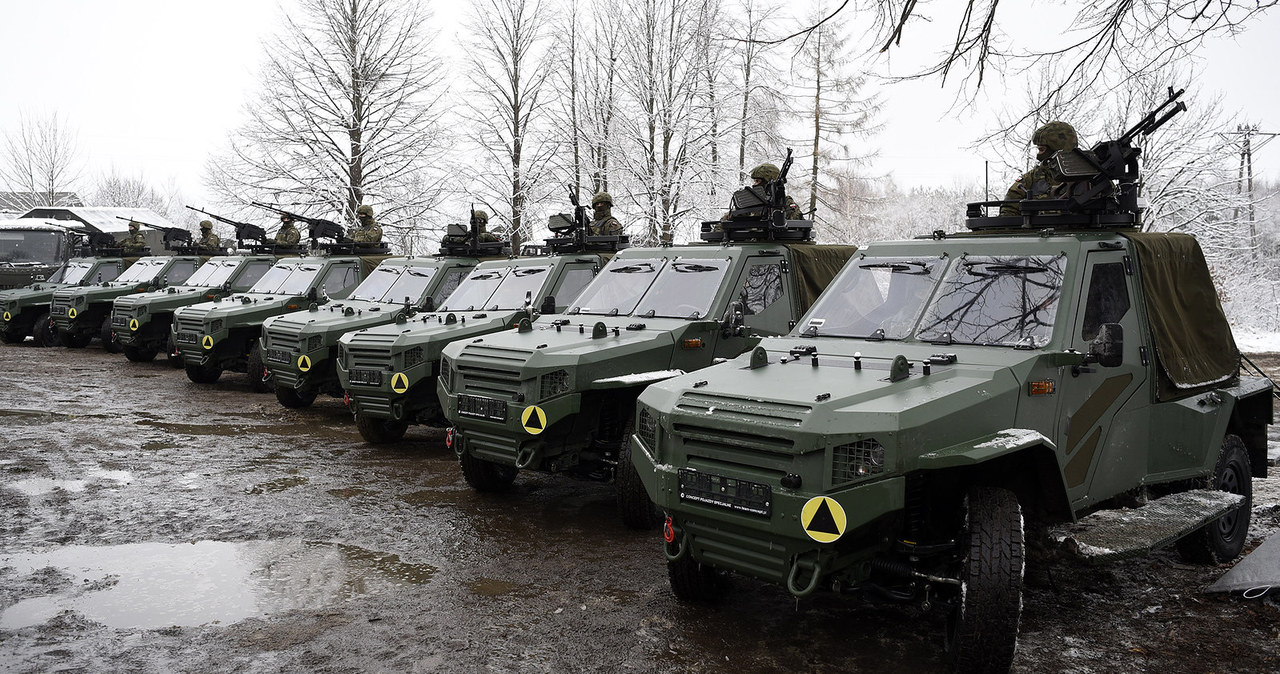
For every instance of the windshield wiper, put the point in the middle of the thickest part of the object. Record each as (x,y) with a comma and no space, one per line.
(643,267)
(900,267)
(993,269)
(689,267)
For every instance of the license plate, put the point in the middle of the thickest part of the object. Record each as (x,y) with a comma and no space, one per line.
(726,492)
(482,408)
(366,377)
(278,356)
(189,337)
(59,310)
(119,321)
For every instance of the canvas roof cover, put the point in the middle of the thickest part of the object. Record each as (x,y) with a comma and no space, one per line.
(1194,347)
(815,267)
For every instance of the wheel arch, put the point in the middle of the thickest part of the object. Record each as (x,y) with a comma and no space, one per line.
(1024,462)
(1250,417)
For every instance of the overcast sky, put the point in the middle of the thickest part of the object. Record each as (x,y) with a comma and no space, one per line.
(154,86)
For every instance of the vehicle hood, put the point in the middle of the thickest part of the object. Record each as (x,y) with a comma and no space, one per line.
(434,330)
(158,301)
(334,319)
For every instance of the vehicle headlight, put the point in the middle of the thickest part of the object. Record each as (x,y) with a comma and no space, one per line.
(413,357)
(140,311)
(856,460)
(215,326)
(314,342)
(553,384)
(79,299)
(446,369)
(647,430)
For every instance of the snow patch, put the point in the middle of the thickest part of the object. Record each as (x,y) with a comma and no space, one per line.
(1010,438)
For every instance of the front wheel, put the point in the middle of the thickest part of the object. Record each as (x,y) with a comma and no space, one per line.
(203,374)
(486,475)
(259,374)
(1222,539)
(982,632)
(139,354)
(292,397)
(634,506)
(108,336)
(43,331)
(693,581)
(379,431)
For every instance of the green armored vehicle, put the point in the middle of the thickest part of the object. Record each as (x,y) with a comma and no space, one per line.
(26,310)
(142,323)
(559,396)
(389,372)
(299,347)
(33,249)
(1042,369)
(223,334)
(81,313)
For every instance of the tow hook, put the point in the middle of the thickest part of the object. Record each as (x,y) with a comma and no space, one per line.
(799,592)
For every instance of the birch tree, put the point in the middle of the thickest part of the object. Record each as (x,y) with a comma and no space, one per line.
(41,159)
(760,83)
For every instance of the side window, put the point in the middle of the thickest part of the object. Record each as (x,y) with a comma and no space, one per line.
(763,287)
(180,271)
(450,284)
(763,292)
(571,284)
(105,273)
(251,273)
(1108,298)
(339,279)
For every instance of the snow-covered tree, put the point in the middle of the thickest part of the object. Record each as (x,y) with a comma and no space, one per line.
(41,159)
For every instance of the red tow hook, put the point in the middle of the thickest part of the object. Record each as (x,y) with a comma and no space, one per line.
(346,399)
(669,531)
(448,438)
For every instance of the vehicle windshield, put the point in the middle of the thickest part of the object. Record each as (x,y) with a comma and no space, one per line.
(76,271)
(618,287)
(475,290)
(19,247)
(299,279)
(875,298)
(142,270)
(997,301)
(684,289)
(212,273)
(56,277)
(380,280)
(395,284)
(270,281)
(522,281)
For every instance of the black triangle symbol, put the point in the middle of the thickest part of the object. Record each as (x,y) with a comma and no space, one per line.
(534,420)
(399,381)
(823,522)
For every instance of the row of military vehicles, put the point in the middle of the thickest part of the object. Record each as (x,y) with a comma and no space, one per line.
(889,422)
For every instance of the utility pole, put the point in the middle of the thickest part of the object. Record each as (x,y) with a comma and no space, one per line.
(1244,135)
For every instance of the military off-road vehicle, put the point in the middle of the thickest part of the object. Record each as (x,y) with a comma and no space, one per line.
(559,395)
(389,372)
(33,249)
(1043,369)
(26,310)
(81,313)
(142,323)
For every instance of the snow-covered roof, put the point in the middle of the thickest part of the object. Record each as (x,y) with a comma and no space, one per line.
(40,224)
(102,219)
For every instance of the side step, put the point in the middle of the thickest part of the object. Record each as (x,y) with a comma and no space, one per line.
(1109,535)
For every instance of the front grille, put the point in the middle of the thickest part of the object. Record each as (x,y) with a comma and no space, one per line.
(119,320)
(856,460)
(554,384)
(283,338)
(370,350)
(61,303)
(490,370)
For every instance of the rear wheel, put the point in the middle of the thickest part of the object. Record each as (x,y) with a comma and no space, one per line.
(634,506)
(982,632)
(42,331)
(259,374)
(139,354)
(379,431)
(108,336)
(203,374)
(1222,539)
(486,475)
(292,397)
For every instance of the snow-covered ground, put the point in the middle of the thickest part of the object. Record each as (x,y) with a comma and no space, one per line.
(1258,342)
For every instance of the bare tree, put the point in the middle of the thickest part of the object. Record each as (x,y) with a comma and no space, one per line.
(41,159)
(349,111)
(758,80)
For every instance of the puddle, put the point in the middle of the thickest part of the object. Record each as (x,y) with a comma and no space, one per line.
(25,417)
(153,585)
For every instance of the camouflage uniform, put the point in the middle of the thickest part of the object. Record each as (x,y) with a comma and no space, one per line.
(369,232)
(207,238)
(604,223)
(288,234)
(763,174)
(1043,181)
(481,219)
(134,242)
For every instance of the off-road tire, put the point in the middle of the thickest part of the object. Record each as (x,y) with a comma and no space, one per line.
(379,431)
(486,475)
(42,331)
(1222,539)
(634,506)
(203,374)
(172,354)
(259,375)
(292,397)
(73,340)
(693,581)
(139,354)
(982,631)
(108,336)
(12,338)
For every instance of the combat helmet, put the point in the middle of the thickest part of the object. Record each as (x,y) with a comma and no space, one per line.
(205,224)
(601,197)
(481,217)
(766,172)
(364,210)
(1056,136)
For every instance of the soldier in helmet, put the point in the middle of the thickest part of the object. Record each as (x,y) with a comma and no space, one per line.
(134,242)
(208,239)
(481,220)
(603,223)
(369,232)
(1043,181)
(288,234)
(766,173)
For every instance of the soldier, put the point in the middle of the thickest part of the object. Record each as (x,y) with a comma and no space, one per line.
(288,234)
(134,242)
(766,173)
(481,220)
(604,223)
(208,239)
(1043,181)
(369,231)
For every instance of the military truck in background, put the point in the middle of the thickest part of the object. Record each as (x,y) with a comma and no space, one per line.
(26,310)
(559,395)
(81,313)
(948,395)
(142,324)
(33,249)
(389,372)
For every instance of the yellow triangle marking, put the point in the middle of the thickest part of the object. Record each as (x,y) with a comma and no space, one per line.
(533,419)
(823,519)
(207,342)
(304,363)
(133,324)
(399,382)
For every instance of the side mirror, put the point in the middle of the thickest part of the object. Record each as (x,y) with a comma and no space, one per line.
(429,304)
(311,295)
(732,322)
(548,305)
(1107,349)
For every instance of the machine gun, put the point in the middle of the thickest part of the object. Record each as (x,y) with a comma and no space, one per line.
(571,233)
(317,227)
(244,230)
(96,243)
(171,234)
(760,212)
(465,240)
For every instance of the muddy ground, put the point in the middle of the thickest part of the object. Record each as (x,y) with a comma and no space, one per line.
(152,524)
